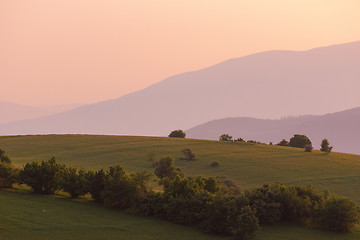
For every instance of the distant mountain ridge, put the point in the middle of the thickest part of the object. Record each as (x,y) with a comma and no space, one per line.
(263,85)
(12,112)
(342,129)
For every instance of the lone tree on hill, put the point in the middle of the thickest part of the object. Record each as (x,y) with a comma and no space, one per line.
(325,146)
(283,143)
(299,141)
(225,137)
(166,168)
(177,134)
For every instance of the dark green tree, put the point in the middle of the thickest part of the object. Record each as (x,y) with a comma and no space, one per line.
(225,137)
(74,182)
(283,143)
(96,184)
(8,175)
(188,154)
(308,148)
(166,168)
(299,141)
(177,134)
(338,214)
(4,158)
(325,146)
(43,178)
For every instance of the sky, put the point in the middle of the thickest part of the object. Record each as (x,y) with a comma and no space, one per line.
(55,52)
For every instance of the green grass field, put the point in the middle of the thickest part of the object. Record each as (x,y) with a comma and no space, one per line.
(249,165)
(22,217)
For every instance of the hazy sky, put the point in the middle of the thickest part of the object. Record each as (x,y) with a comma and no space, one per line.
(84,51)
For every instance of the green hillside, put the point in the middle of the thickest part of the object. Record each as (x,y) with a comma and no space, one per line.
(249,165)
(41,217)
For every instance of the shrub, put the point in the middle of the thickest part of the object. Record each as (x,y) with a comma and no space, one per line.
(247,224)
(239,140)
(120,191)
(4,158)
(188,154)
(8,176)
(74,182)
(325,146)
(177,134)
(123,190)
(43,178)
(166,168)
(308,148)
(337,214)
(96,181)
(225,137)
(299,141)
(215,164)
(283,143)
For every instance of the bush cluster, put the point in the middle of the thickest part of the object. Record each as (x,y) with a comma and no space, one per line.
(214,205)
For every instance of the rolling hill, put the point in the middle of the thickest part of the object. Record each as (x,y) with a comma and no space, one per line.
(249,165)
(22,217)
(264,85)
(341,129)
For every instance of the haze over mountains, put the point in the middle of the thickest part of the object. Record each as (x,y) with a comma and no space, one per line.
(16,112)
(264,85)
(341,129)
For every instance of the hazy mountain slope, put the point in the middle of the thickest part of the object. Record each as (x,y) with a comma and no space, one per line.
(11,112)
(342,129)
(265,85)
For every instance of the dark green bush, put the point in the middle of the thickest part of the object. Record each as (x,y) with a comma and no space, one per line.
(43,178)
(8,175)
(4,158)
(225,137)
(177,134)
(166,168)
(74,182)
(308,148)
(337,214)
(96,184)
(188,154)
(283,143)
(299,141)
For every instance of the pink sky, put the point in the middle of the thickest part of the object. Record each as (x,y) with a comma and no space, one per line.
(84,51)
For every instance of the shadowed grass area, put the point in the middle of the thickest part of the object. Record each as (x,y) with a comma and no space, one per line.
(39,217)
(32,216)
(250,165)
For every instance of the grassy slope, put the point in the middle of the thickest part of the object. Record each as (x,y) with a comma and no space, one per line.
(22,217)
(250,165)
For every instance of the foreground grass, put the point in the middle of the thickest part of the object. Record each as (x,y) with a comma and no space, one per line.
(29,216)
(249,165)
(32,216)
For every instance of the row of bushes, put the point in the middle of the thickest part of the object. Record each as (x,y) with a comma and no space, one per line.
(214,205)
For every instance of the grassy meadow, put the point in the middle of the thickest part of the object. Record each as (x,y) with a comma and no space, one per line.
(40,217)
(24,215)
(249,165)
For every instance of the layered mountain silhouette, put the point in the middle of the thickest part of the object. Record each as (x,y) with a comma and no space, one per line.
(342,129)
(12,112)
(264,85)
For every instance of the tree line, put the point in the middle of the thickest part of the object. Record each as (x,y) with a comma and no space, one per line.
(213,204)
